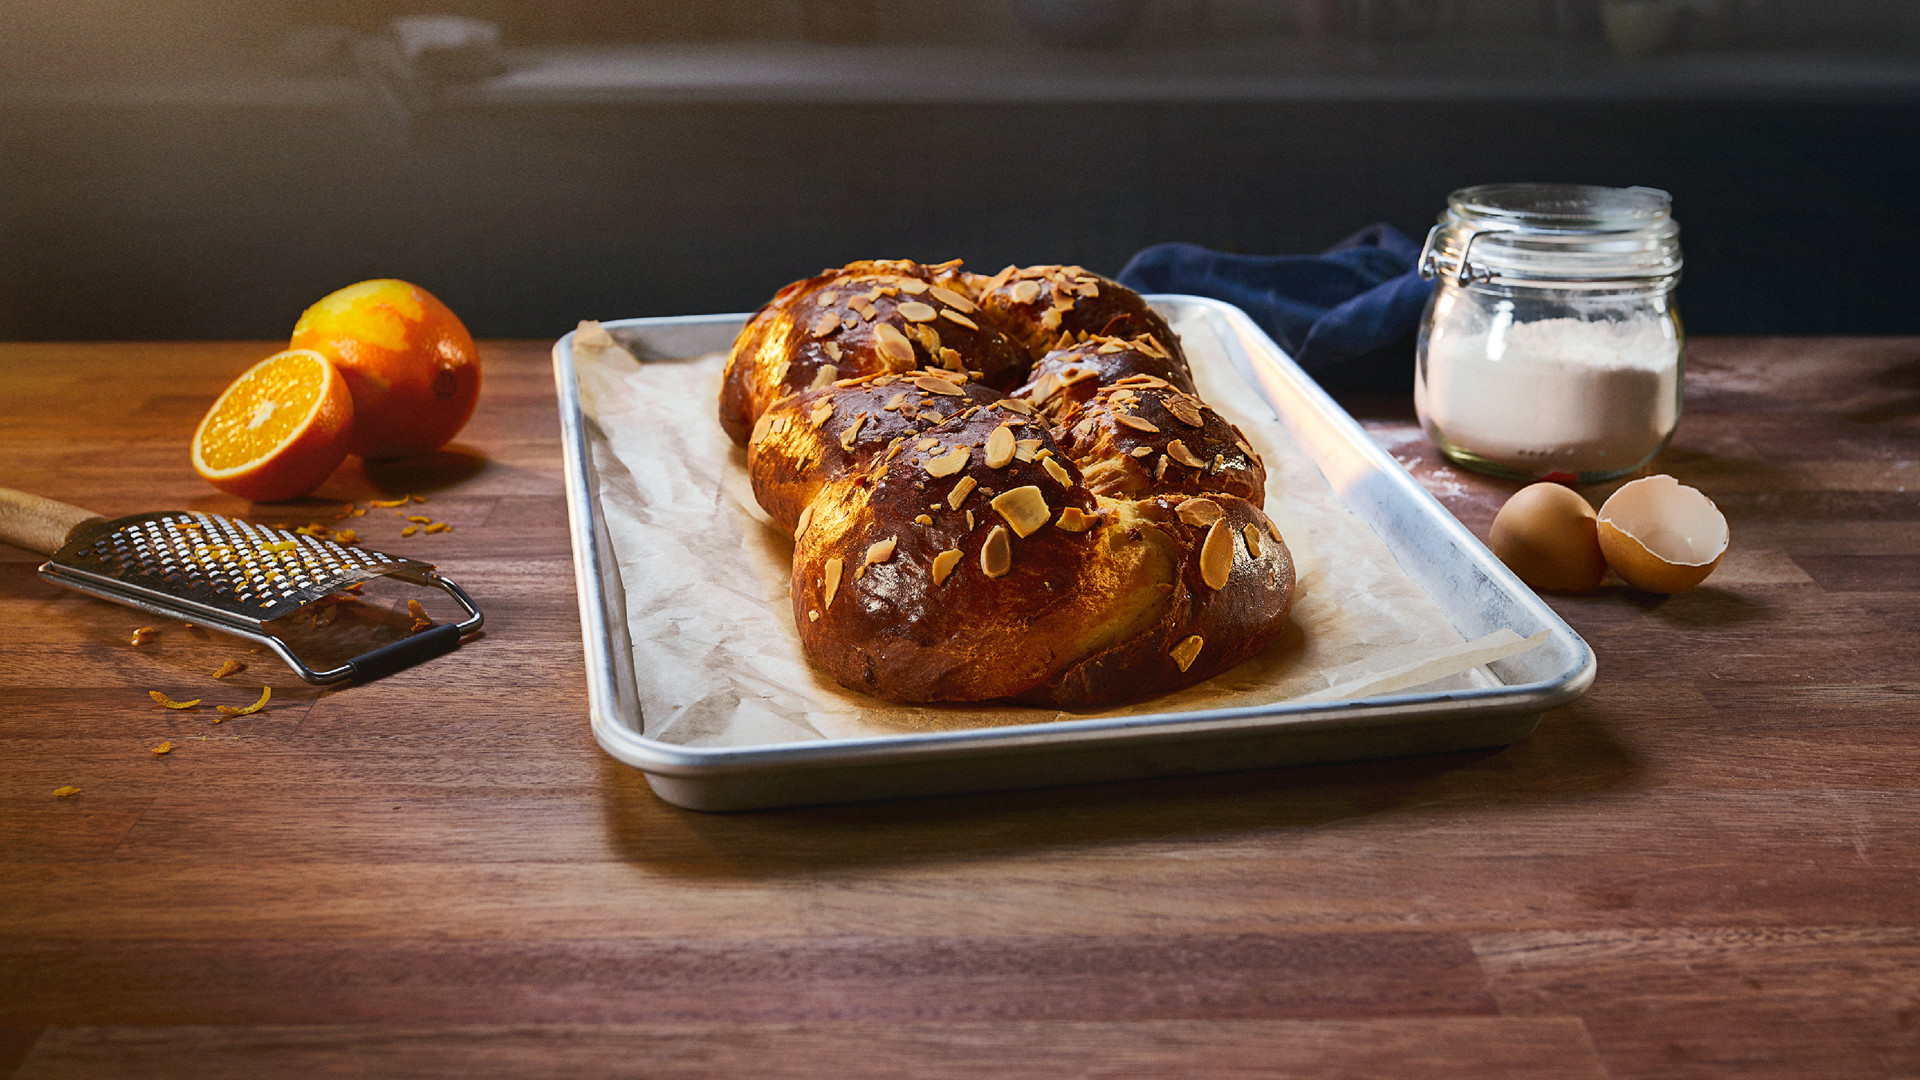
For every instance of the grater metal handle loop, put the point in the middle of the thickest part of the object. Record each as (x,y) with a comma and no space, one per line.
(41,525)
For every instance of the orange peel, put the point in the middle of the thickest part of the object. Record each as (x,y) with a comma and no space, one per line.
(247,710)
(169,702)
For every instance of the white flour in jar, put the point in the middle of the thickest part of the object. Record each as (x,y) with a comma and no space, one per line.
(1566,394)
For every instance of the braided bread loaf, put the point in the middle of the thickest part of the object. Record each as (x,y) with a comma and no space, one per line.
(1001,488)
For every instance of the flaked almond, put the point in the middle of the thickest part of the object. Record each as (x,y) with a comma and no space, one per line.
(761,429)
(1048,386)
(1000,447)
(892,343)
(1199,512)
(826,324)
(882,550)
(1018,405)
(828,296)
(994,283)
(849,320)
(813,615)
(969,521)
(1078,375)
(832,349)
(1216,555)
(949,463)
(922,519)
(951,360)
(1057,471)
(1160,467)
(1110,348)
(1024,292)
(780,372)
(825,376)
(1187,651)
(821,413)
(1024,508)
(931,417)
(913,286)
(1074,519)
(1088,288)
(806,519)
(1083,429)
(952,299)
(830,581)
(954,316)
(927,443)
(996,555)
(1026,449)
(944,563)
(933,384)
(1135,422)
(1143,382)
(1178,451)
(1252,533)
(961,489)
(950,376)
(1183,410)
(852,433)
(893,403)
(1141,451)
(917,312)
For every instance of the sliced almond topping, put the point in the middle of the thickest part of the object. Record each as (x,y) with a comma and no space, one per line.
(761,428)
(951,360)
(892,343)
(961,489)
(996,555)
(931,417)
(1078,375)
(1160,467)
(1178,451)
(1050,318)
(944,563)
(849,320)
(780,372)
(949,463)
(927,443)
(825,376)
(1187,651)
(1024,508)
(852,433)
(1252,533)
(1143,382)
(1025,449)
(813,615)
(1183,410)
(826,324)
(1000,447)
(933,384)
(913,286)
(1216,555)
(1024,292)
(1124,395)
(1219,462)
(831,580)
(828,296)
(882,550)
(994,283)
(1135,422)
(1200,512)
(915,311)
(1048,386)
(952,299)
(950,376)
(1057,471)
(969,521)
(832,349)
(1141,451)
(806,519)
(1088,288)
(893,403)
(922,519)
(1018,405)
(1111,347)
(1083,429)
(1073,519)
(954,316)
(821,413)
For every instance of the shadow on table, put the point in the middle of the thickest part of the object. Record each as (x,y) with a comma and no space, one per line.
(1573,753)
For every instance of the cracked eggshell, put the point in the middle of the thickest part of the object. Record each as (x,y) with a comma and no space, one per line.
(1661,535)
(1546,535)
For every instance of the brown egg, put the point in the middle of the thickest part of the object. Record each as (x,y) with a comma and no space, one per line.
(1546,535)
(1661,535)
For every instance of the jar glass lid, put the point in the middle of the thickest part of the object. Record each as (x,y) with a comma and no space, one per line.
(1573,234)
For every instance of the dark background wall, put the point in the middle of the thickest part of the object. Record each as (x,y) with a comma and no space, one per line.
(208,197)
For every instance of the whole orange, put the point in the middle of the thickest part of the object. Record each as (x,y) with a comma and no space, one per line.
(278,430)
(410,363)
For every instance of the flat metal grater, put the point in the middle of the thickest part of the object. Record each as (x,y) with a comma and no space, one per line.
(233,576)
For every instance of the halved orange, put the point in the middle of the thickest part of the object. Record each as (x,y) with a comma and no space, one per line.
(278,430)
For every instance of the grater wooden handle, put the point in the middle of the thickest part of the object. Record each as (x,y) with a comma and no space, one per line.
(38,524)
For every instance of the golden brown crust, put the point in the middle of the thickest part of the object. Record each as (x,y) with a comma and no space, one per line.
(1094,537)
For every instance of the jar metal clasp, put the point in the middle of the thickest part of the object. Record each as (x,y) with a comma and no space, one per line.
(1467,273)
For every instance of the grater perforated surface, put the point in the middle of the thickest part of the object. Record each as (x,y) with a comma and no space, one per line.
(255,572)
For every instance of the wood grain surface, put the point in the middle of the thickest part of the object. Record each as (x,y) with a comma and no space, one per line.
(1710,866)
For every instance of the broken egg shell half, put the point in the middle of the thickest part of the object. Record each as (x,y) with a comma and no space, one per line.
(1661,535)
(1546,535)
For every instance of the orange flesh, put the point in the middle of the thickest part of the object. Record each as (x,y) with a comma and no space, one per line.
(262,411)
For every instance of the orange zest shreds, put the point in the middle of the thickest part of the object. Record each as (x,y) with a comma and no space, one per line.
(169,702)
(414,609)
(163,748)
(231,667)
(388,504)
(346,536)
(436,527)
(418,519)
(279,546)
(354,588)
(418,498)
(346,511)
(409,530)
(421,624)
(64,792)
(265,693)
(141,635)
(315,529)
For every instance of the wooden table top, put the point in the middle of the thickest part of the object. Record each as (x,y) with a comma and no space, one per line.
(1710,866)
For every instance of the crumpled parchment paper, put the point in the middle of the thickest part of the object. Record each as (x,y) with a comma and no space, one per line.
(706,575)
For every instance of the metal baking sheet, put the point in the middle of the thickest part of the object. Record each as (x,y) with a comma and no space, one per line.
(1471,586)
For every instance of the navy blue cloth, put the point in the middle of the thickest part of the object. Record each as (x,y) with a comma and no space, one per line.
(1348,316)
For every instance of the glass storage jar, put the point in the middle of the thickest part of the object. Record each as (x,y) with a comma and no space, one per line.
(1551,348)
